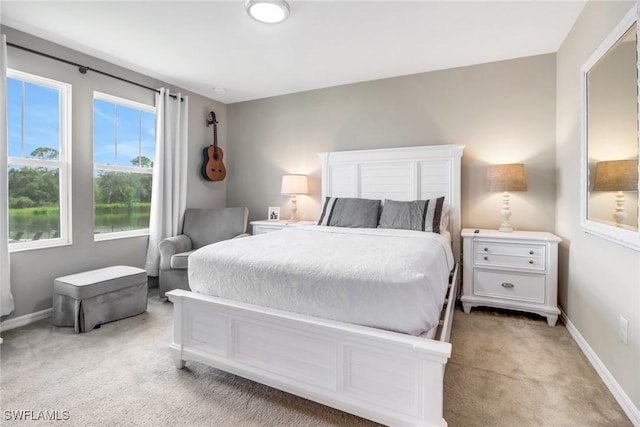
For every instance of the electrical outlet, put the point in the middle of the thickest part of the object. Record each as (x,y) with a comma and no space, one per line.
(623,329)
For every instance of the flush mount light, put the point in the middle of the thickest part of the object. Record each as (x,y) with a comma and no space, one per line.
(267,11)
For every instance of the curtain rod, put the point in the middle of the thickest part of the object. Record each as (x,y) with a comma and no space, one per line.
(83,68)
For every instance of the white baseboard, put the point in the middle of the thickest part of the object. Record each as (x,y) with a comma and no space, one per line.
(618,393)
(16,322)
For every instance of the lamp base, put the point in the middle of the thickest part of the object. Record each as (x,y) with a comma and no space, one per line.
(294,209)
(620,214)
(505,227)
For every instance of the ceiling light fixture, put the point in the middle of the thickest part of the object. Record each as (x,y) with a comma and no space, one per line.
(267,11)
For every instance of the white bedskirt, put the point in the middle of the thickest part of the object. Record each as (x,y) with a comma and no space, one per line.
(382,278)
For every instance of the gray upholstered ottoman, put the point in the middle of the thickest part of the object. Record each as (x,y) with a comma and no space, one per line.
(88,299)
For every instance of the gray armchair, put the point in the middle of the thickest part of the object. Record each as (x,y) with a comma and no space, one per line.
(201,227)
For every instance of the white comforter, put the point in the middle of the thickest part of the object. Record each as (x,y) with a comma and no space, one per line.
(383,278)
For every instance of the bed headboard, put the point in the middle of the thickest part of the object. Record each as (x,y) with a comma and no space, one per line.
(408,173)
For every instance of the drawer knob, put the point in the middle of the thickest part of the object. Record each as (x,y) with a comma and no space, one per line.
(486,249)
(507,285)
(530,261)
(530,252)
(486,258)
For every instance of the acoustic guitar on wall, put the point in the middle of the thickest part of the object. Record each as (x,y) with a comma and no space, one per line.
(212,166)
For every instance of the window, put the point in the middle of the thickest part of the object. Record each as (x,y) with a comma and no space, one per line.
(123,149)
(39,145)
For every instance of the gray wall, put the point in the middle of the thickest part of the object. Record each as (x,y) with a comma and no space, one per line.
(599,279)
(33,271)
(503,112)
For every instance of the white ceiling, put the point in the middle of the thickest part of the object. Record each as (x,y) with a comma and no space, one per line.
(202,45)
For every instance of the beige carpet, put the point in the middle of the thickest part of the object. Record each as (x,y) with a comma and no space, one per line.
(506,370)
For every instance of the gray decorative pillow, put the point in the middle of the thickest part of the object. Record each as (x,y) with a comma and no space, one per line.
(350,212)
(420,215)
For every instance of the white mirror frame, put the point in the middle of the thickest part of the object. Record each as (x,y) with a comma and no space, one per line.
(622,236)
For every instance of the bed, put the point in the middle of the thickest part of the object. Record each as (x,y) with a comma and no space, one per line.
(263,330)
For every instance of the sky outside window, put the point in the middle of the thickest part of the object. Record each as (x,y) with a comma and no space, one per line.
(104,132)
(121,134)
(37,108)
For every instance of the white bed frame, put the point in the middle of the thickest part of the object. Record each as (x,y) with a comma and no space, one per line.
(388,377)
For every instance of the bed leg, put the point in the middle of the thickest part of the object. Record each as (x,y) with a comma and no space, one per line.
(175,348)
(176,354)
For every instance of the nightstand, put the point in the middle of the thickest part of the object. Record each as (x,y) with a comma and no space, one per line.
(266,226)
(517,271)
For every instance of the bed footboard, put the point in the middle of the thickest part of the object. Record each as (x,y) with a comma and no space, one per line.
(391,378)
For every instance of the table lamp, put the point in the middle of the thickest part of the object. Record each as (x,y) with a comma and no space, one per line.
(293,185)
(618,176)
(505,178)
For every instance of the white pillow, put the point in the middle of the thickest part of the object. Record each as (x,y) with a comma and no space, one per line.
(444,219)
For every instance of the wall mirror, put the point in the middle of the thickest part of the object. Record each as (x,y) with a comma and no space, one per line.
(610,132)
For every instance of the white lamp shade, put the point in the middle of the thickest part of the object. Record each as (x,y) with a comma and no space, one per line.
(294,184)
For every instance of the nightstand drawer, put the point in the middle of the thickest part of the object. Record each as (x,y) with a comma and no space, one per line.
(492,248)
(513,261)
(520,287)
(262,229)
(266,226)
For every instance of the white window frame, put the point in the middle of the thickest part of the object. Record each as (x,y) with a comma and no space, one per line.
(63,163)
(119,168)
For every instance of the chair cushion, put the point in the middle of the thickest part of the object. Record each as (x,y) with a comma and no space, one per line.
(206,226)
(180,261)
(97,282)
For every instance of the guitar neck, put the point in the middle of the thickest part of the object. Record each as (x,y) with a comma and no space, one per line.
(215,134)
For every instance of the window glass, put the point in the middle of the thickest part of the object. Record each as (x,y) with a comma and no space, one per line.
(104,135)
(148,137)
(34,203)
(124,139)
(41,121)
(123,201)
(38,119)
